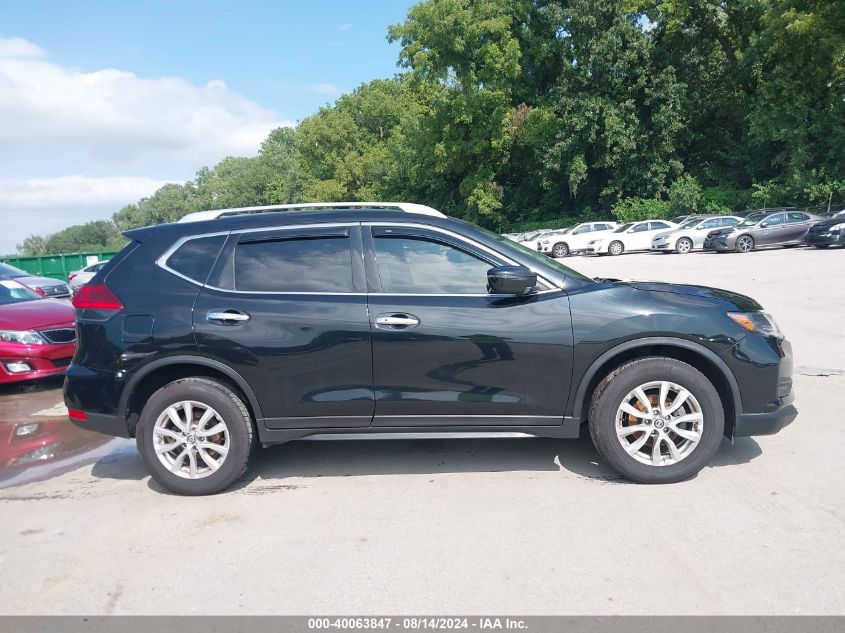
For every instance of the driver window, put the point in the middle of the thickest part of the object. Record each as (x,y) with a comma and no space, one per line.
(774,220)
(640,227)
(416,265)
(711,224)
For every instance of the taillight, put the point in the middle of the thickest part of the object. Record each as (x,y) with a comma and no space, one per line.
(96,297)
(71,276)
(76,414)
(40,291)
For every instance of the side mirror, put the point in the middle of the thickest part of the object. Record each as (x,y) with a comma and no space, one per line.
(763,225)
(511,280)
(630,231)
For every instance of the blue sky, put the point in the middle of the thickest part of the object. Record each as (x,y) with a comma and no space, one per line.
(101,102)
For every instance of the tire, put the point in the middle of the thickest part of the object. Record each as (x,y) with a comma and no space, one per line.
(561,249)
(157,429)
(744,244)
(616,248)
(821,245)
(683,245)
(607,421)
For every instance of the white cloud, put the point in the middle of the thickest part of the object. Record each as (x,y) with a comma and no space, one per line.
(34,193)
(324,89)
(114,117)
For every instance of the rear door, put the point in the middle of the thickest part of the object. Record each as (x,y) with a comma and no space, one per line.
(448,353)
(287,309)
(797,225)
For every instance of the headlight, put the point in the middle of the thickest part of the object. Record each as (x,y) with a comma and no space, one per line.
(837,228)
(761,322)
(23,337)
(544,241)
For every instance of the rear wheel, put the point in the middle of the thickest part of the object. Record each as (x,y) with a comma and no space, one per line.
(616,248)
(560,250)
(656,420)
(684,245)
(195,436)
(744,244)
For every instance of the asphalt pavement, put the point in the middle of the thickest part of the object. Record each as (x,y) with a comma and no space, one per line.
(493,526)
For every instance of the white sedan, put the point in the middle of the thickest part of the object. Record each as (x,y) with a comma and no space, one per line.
(633,236)
(79,278)
(574,240)
(690,235)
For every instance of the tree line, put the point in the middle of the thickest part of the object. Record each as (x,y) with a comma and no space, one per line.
(525,113)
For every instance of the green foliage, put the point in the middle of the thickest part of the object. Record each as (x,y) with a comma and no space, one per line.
(685,195)
(529,113)
(99,235)
(634,209)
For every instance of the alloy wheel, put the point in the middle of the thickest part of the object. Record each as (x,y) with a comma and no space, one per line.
(615,248)
(659,423)
(744,244)
(191,440)
(560,250)
(684,246)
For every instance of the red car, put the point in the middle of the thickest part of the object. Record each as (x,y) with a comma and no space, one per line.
(37,336)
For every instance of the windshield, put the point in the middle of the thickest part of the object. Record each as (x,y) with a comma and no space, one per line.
(624,227)
(13,292)
(538,257)
(11,271)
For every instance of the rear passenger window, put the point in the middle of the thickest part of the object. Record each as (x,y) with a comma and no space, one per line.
(194,258)
(798,217)
(305,264)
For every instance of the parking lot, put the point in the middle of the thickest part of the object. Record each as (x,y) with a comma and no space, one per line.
(504,526)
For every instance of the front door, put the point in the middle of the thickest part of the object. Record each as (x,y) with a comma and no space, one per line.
(445,352)
(774,232)
(287,309)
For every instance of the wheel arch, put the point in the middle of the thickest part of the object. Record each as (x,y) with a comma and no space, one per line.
(703,359)
(158,373)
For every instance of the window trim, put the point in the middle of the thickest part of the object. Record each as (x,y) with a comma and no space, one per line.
(367,255)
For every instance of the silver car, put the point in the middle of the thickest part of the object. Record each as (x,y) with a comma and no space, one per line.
(79,278)
(45,286)
(691,234)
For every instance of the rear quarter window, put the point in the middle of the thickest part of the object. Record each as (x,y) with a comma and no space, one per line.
(195,257)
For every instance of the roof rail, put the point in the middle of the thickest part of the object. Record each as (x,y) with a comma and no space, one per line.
(407,207)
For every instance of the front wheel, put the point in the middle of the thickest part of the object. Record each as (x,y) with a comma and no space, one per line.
(684,245)
(560,250)
(656,420)
(744,244)
(195,436)
(616,248)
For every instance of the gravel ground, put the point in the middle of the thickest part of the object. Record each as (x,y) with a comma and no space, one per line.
(505,526)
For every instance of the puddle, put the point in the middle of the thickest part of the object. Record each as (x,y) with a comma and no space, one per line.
(38,442)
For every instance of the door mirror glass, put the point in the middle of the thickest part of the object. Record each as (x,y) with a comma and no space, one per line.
(511,280)
(763,225)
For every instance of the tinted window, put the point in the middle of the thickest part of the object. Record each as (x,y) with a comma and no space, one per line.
(318,264)
(711,224)
(195,257)
(729,222)
(798,217)
(641,227)
(659,225)
(775,219)
(413,265)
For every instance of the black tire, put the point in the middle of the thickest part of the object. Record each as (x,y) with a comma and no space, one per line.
(609,395)
(228,405)
(744,244)
(561,249)
(683,245)
(619,249)
(821,245)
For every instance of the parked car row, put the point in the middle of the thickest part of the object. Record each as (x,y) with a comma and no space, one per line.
(742,232)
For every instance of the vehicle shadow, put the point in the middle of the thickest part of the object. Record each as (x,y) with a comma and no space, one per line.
(363,458)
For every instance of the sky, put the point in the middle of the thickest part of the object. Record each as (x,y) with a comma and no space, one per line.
(103,102)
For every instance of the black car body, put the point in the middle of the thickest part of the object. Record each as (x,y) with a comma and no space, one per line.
(828,232)
(375,320)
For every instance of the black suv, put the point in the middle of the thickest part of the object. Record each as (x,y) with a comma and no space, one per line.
(235,328)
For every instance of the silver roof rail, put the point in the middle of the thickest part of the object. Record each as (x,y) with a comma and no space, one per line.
(407,207)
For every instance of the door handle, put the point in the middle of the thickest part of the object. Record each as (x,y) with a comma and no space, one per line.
(397,321)
(227,316)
